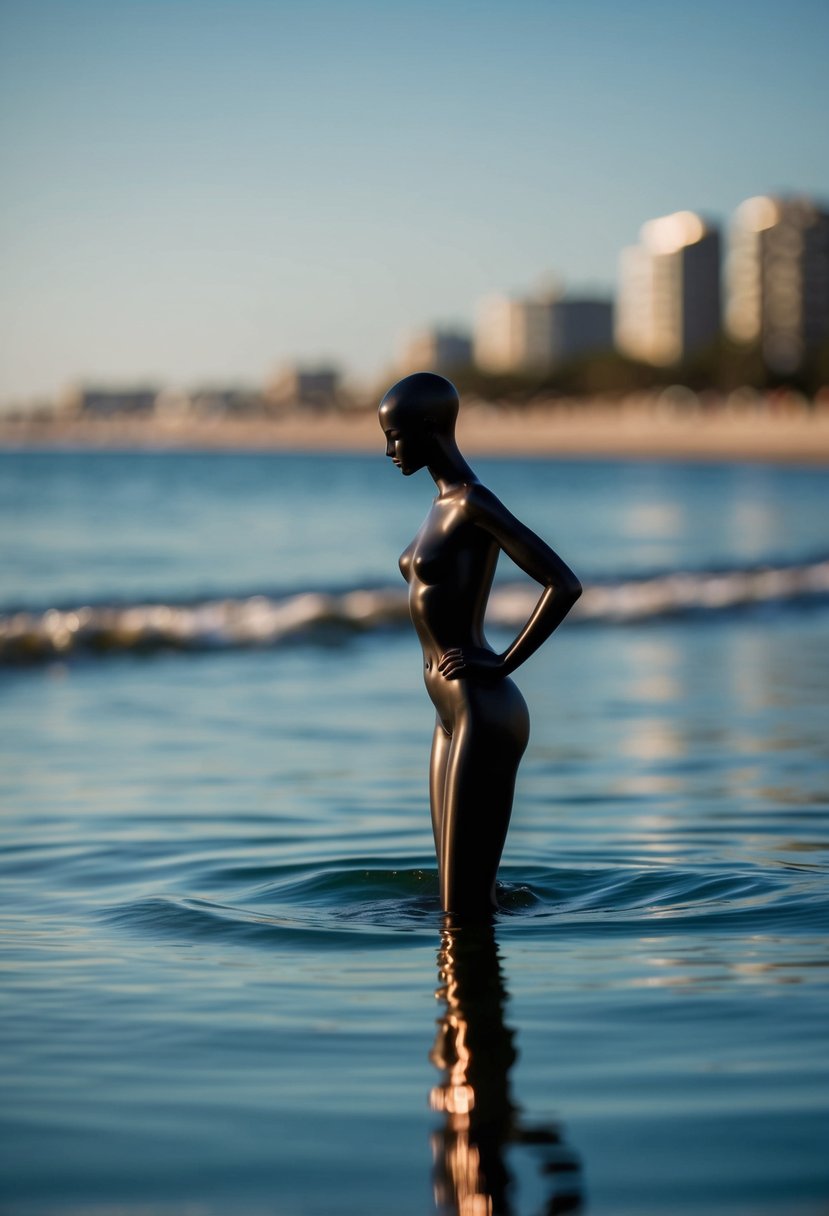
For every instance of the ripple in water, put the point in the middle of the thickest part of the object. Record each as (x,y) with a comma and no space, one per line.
(375,901)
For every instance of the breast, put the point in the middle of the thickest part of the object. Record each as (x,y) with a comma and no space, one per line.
(405,563)
(431,568)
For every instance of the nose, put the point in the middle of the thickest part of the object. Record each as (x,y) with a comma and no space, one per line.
(389,447)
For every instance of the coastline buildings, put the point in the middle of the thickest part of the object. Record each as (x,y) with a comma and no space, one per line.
(168,402)
(220,400)
(582,325)
(668,302)
(668,309)
(778,278)
(439,350)
(512,335)
(99,401)
(536,334)
(317,387)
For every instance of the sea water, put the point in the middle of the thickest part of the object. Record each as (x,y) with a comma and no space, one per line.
(227,986)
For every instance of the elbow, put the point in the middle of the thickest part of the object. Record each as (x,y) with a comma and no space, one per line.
(570,590)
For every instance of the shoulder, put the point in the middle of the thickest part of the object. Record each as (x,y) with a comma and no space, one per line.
(481,503)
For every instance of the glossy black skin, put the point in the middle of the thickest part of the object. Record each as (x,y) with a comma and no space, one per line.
(482,722)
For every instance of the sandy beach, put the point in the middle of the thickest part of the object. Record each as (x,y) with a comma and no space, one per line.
(779,430)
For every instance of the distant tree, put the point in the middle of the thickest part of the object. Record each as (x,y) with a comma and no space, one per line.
(722,367)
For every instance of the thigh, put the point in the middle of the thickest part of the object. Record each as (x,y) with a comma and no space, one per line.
(441,745)
(480,780)
(489,739)
(484,755)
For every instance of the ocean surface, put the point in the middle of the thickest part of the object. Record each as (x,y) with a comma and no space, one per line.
(226,985)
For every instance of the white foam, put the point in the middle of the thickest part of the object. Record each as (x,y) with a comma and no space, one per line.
(261,620)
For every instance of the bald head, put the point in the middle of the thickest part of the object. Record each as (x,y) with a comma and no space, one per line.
(423,401)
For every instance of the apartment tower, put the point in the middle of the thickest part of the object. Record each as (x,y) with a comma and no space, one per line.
(778,279)
(537,334)
(668,303)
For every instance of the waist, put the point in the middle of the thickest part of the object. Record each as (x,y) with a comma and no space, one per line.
(432,654)
(437,637)
(444,620)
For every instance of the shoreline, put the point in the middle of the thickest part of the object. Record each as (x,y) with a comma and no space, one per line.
(643,430)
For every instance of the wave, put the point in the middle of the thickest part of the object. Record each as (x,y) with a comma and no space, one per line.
(273,620)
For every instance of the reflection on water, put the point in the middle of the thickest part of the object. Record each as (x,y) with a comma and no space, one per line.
(474,1050)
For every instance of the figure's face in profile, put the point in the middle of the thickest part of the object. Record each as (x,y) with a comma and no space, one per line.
(405,446)
(418,419)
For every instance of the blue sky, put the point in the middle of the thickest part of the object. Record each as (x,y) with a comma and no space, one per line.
(196,191)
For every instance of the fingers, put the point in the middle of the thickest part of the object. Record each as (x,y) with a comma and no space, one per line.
(452,668)
(452,663)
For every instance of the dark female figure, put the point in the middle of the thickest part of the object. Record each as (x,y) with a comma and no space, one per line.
(482,722)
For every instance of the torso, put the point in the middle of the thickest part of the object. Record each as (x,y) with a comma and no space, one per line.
(449,567)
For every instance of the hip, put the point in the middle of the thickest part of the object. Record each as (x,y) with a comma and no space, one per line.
(495,705)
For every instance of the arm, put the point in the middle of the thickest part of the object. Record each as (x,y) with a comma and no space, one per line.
(534,557)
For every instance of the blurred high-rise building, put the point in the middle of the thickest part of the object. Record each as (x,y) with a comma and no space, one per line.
(535,335)
(668,302)
(316,386)
(778,278)
(512,335)
(439,350)
(582,325)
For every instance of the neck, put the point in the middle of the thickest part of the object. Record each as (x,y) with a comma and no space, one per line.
(447,466)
